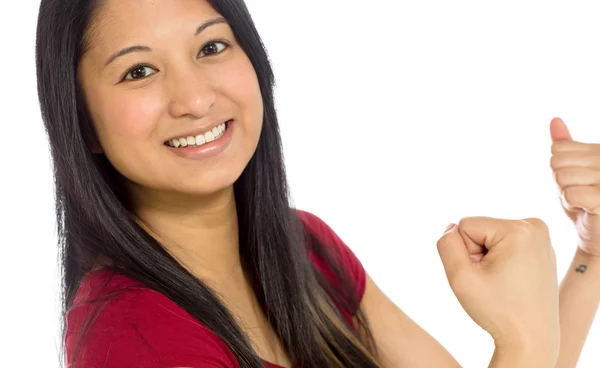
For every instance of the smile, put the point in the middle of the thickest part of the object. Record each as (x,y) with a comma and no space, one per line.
(199,140)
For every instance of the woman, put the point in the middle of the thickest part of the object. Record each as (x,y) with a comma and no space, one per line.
(178,242)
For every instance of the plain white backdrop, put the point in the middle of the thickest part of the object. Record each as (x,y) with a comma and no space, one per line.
(398,117)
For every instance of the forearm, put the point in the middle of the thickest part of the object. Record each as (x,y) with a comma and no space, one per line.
(578,300)
(544,356)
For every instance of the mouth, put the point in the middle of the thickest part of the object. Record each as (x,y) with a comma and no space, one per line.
(200,139)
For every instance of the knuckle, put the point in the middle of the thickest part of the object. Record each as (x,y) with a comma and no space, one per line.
(522,227)
(537,226)
(561,177)
(554,162)
(537,222)
(444,241)
(463,221)
(466,222)
(527,229)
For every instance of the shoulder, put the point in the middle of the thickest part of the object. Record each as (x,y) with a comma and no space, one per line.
(320,230)
(328,246)
(126,324)
(315,224)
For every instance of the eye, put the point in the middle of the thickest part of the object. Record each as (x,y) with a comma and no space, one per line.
(213,48)
(139,72)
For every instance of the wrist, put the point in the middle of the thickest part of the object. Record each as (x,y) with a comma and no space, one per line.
(588,257)
(515,356)
(528,351)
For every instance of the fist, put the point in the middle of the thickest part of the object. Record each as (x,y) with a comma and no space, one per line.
(503,273)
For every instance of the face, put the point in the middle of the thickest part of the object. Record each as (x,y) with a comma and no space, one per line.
(175,101)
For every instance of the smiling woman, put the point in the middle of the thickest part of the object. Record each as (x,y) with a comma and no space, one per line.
(180,247)
(178,241)
(177,81)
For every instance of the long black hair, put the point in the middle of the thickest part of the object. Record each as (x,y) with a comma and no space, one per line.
(95,218)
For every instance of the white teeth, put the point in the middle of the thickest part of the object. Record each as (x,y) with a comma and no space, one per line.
(209,136)
(199,140)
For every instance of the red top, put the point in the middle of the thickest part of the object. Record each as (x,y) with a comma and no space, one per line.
(143,328)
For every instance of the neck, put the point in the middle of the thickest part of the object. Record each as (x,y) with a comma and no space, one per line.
(201,233)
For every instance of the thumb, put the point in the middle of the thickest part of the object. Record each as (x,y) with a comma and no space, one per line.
(559,131)
(453,252)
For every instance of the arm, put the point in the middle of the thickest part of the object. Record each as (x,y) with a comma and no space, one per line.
(400,341)
(579,299)
(521,357)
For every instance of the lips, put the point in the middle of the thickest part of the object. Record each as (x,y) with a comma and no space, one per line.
(188,136)
(198,140)
(216,144)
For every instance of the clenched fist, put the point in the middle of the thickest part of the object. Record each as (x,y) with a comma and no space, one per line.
(503,273)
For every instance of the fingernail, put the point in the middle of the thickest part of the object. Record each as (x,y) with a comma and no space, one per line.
(449,227)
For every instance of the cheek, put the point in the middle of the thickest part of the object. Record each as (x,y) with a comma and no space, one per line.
(243,88)
(126,126)
(130,117)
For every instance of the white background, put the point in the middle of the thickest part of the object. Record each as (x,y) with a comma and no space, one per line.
(398,117)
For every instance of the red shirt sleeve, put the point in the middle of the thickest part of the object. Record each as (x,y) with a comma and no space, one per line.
(143,328)
(350,264)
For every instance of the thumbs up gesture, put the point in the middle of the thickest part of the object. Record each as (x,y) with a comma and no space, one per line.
(576,168)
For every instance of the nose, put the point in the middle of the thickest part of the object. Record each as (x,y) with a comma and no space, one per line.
(191,94)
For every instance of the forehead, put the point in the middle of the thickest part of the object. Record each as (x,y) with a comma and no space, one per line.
(118,21)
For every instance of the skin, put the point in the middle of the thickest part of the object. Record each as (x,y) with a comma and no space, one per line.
(576,168)
(185,88)
(186,85)
(511,292)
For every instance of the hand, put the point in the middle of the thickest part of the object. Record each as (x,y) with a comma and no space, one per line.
(576,168)
(503,273)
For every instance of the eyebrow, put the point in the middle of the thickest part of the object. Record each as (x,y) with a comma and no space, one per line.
(139,48)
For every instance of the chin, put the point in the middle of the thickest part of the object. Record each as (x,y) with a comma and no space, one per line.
(214,184)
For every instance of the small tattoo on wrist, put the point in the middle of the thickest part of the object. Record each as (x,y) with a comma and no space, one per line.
(581,269)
